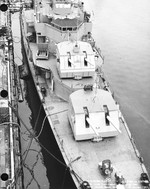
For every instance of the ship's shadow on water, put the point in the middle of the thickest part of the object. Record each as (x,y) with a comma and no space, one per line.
(57,173)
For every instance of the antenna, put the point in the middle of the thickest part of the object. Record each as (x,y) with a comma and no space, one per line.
(77,23)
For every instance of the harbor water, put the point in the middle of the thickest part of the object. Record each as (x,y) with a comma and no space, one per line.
(121,29)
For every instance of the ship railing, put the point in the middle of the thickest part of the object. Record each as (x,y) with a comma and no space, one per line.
(98,51)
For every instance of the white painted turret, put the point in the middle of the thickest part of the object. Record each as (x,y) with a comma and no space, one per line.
(75,59)
(93,113)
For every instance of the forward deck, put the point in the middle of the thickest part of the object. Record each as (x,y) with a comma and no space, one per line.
(118,149)
(86,155)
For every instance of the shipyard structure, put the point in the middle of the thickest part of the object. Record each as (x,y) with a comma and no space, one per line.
(10,149)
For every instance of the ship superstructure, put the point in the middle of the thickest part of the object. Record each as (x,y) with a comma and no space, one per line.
(86,120)
(10,149)
(54,21)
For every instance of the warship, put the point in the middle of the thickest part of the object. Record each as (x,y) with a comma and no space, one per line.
(10,147)
(86,121)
